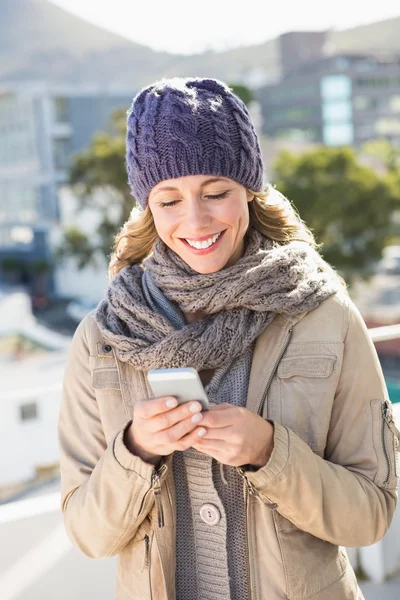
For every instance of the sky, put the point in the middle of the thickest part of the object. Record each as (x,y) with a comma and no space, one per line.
(190,26)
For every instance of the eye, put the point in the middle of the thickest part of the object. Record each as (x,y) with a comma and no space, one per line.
(166,204)
(217,197)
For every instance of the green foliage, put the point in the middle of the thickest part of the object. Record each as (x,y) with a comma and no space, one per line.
(11,265)
(101,167)
(347,205)
(383,150)
(77,244)
(39,267)
(243,92)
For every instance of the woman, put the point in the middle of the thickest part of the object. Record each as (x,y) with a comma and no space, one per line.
(251,499)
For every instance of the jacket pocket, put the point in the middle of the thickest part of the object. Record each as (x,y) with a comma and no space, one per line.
(134,563)
(307,387)
(106,378)
(310,564)
(386,443)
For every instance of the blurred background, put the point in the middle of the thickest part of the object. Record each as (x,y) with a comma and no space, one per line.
(323,88)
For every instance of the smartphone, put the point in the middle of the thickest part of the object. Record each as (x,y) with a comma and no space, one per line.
(185,384)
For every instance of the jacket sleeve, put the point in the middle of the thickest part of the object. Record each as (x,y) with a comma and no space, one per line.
(105,490)
(348,497)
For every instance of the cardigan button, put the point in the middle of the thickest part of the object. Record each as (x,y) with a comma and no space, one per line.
(107,349)
(210,514)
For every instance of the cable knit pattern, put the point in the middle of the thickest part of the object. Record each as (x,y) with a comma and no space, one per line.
(239,301)
(191,126)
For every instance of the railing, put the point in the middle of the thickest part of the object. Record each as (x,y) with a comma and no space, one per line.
(383,334)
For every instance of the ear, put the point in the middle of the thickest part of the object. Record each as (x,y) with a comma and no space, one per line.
(250,196)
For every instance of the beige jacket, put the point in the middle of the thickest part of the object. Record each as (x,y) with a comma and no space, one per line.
(330,482)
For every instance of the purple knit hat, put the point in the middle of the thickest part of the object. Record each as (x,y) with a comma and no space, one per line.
(190,126)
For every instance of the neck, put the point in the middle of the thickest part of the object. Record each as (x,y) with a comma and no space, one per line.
(194,316)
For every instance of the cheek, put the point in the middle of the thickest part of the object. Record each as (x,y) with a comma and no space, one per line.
(236,215)
(164,225)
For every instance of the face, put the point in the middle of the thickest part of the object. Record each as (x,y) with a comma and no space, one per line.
(202,218)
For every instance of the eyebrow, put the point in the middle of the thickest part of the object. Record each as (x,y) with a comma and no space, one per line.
(167,188)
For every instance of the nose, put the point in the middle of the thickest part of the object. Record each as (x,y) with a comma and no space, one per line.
(197,216)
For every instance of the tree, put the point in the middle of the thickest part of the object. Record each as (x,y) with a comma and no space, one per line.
(100,168)
(347,205)
(383,150)
(243,92)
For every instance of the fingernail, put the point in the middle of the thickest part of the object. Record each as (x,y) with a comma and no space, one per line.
(171,403)
(201,432)
(197,418)
(194,407)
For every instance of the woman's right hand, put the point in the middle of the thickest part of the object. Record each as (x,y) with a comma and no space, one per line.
(160,427)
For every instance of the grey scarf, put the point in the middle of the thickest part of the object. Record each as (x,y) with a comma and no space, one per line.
(239,302)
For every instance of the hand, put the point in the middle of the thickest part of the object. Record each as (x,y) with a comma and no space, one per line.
(236,436)
(160,427)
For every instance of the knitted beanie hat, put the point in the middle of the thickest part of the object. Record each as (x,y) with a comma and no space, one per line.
(190,126)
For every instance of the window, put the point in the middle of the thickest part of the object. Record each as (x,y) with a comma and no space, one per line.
(365,103)
(335,87)
(340,134)
(18,203)
(378,82)
(28,412)
(61,153)
(337,111)
(60,110)
(295,113)
(21,235)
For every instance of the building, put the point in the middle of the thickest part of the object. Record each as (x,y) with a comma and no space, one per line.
(335,100)
(41,127)
(32,362)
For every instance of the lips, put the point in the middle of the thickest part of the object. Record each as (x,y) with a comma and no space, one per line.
(202,251)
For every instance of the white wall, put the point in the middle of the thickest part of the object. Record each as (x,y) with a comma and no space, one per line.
(24,445)
(91,282)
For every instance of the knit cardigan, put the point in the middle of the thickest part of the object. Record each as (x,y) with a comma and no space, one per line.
(211,559)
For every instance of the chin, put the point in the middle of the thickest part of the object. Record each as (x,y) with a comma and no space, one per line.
(205,269)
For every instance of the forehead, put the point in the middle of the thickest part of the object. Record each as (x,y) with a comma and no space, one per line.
(188,182)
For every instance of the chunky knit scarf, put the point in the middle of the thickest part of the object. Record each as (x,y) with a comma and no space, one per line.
(239,302)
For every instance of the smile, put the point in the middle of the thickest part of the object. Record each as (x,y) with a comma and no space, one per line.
(202,245)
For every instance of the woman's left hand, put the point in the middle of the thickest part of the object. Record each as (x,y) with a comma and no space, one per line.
(235,436)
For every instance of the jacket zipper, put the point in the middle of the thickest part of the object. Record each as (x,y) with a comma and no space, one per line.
(146,563)
(249,488)
(156,484)
(388,420)
(272,375)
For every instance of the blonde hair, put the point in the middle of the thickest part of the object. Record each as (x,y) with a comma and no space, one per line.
(270,213)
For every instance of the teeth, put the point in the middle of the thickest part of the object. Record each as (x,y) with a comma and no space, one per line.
(205,243)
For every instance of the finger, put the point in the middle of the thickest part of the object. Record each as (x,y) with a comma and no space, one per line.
(170,418)
(215,450)
(177,435)
(221,434)
(218,418)
(190,439)
(211,444)
(146,409)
